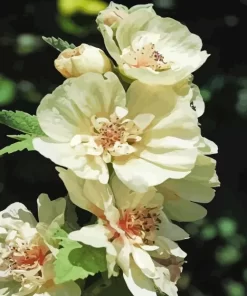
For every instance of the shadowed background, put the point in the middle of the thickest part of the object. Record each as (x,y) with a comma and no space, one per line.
(217,250)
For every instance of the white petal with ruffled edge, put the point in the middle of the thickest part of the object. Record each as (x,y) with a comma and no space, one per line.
(138,283)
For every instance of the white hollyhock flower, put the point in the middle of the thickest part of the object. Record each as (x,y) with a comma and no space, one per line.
(82,59)
(180,195)
(28,252)
(115,13)
(153,49)
(136,233)
(149,134)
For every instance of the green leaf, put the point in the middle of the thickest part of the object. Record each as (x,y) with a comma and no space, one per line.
(19,137)
(19,146)
(61,234)
(58,44)
(22,122)
(76,261)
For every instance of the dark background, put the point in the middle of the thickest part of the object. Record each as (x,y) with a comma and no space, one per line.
(217,250)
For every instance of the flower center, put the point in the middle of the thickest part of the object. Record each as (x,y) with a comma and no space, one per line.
(20,256)
(145,56)
(113,136)
(28,258)
(116,135)
(142,222)
(110,133)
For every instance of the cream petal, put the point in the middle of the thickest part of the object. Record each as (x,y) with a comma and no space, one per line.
(144,261)
(170,230)
(130,170)
(123,248)
(130,25)
(91,148)
(129,58)
(97,94)
(181,123)
(93,235)
(106,157)
(191,190)
(121,149)
(110,44)
(131,199)
(18,211)
(174,164)
(78,139)
(183,210)
(149,248)
(143,120)
(168,142)
(151,77)
(142,6)
(177,41)
(142,38)
(49,210)
(119,190)
(164,283)
(197,100)
(194,187)
(86,194)
(111,212)
(59,116)
(207,147)
(197,186)
(204,169)
(147,199)
(47,268)
(87,167)
(121,112)
(169,246)
(140,100)
(138,283)
(60,153)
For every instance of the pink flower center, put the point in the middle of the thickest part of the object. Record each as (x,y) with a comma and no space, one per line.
(27,258)
(110,133)
(146,56)
(142,222)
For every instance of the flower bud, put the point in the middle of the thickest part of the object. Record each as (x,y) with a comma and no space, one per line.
(82,59)
(112,15)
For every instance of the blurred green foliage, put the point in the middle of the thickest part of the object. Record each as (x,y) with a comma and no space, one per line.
(91,7)
(7,91)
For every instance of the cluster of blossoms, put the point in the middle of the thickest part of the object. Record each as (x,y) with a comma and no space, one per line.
(125,137)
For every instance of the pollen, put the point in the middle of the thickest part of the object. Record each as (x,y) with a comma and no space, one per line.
(115,135)
(141,222)
(147,56)
(110,133)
